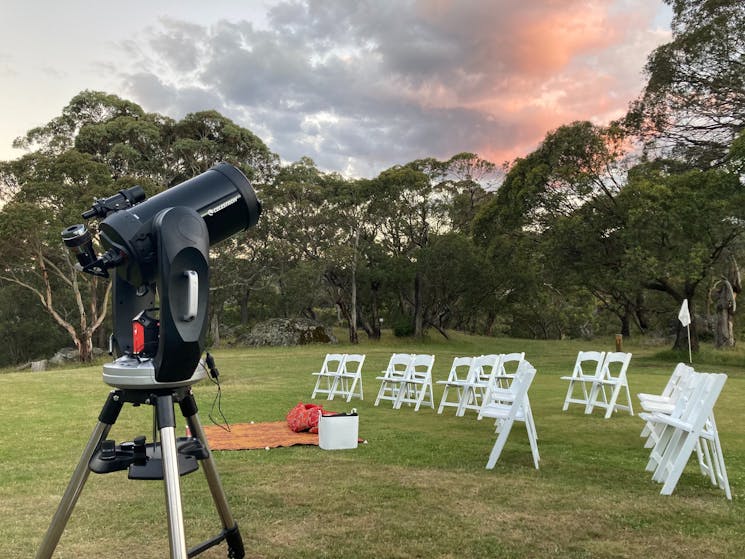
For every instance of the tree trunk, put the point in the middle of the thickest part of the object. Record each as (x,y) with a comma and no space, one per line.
(244,306)
(215,323)
(726,306)
(353,299)
(626,324)
(418,307)
(84,343)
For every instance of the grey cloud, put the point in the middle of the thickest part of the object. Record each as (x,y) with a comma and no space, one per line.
(360,84)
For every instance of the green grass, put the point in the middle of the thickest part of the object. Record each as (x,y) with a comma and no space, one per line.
(418,488)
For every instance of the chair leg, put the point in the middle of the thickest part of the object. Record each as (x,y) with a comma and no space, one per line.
(677,466)
(628,399)
(499,444)
(532,438)
(612,402)
(568,396)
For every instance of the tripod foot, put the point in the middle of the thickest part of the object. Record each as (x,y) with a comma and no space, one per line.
(235,543)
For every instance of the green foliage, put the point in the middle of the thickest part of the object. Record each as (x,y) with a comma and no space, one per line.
(26,331)
(403,327)
(694,101)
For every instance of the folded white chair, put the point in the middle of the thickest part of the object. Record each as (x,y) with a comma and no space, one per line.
(393,377)
(417,383)
(507,405)
(507,367)
(457,379)
(665,401)
(327,379)
(689,427)
(351,377)
(587,369)
(483,370)
(614,379)
(680,385)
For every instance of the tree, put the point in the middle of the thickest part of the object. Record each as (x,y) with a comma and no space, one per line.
(100,144)
(679,228)
(554,223)
(403,212)
(693,105)
(459,284)
(54,191)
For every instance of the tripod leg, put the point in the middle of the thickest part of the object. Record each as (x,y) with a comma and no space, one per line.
(167,427)
(106,419)
(233,535)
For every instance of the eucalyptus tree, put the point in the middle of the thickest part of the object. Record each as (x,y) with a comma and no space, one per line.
(530,225)
(404,212)
(99,144)
(466,182)
(54,191)
(693,105)
(680,228)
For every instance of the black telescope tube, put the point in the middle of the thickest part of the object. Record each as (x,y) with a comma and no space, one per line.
(222,196)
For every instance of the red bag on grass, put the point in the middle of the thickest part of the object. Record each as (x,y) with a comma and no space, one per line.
(304,417)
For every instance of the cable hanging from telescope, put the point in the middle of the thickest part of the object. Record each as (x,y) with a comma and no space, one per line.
(214,376)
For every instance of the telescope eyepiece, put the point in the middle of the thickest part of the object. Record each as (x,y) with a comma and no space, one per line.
(78,239)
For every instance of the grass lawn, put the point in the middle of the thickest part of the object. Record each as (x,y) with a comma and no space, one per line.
(418,488)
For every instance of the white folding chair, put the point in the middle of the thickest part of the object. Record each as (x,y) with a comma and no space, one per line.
(587,369)
(393,376)
(327,379)
(614,379)
(690,426)
(351,376)
(457,378)
(483,370)
(417,383)
(507,405)
(506,370)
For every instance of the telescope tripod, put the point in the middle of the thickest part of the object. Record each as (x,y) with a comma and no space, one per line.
(166,460)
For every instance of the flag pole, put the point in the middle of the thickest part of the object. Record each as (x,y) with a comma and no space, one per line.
(690,358)
(684,315)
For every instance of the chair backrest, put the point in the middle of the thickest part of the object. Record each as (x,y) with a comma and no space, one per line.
(485,367)
(677,381)
(698,401)
(353,363)
(421,366)
(515,394)
(615,365)
(332,363)
(522,381)
(589,364)
(398,365)
(509,363)
(459,369)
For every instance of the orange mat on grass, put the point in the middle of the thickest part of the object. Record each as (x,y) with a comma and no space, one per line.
(249,436)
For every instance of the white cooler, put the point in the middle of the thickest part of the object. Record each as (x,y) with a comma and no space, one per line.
(338,432)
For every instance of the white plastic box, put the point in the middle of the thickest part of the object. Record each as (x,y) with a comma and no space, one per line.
(338,432)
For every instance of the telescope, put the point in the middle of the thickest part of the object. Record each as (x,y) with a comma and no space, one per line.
(158,252)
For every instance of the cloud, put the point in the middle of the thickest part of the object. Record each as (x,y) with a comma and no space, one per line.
(360,86)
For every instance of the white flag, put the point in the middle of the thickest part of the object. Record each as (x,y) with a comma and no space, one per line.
(684,315)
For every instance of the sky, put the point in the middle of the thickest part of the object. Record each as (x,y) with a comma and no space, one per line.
(358,86)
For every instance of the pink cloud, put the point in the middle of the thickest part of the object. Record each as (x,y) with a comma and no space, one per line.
(539,65)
